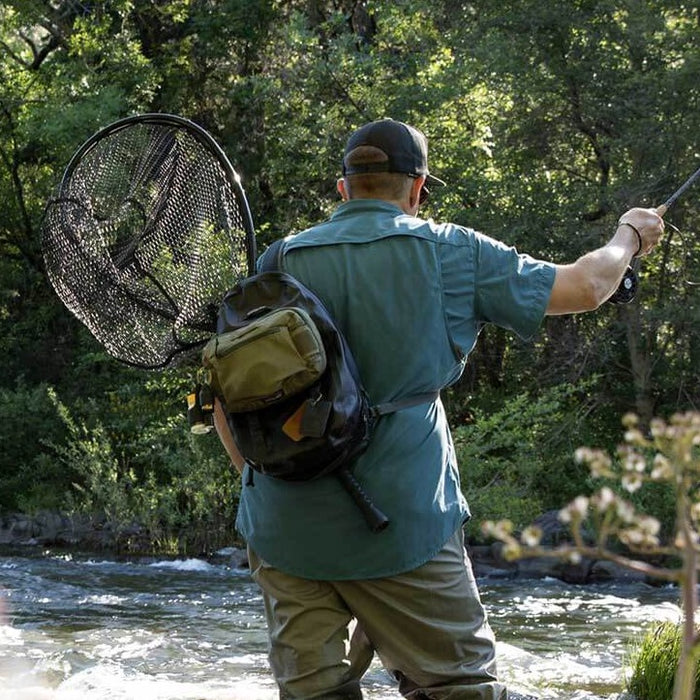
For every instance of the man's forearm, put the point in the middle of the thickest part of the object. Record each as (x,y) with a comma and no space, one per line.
(224,432)
(605,266)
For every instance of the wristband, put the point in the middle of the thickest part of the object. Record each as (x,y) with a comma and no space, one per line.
(639,236)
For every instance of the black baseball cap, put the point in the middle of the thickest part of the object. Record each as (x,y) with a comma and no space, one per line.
(406,149)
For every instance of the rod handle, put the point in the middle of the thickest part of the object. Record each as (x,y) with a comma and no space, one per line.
(376,520)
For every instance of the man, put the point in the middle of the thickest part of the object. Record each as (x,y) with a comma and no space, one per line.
(411,297)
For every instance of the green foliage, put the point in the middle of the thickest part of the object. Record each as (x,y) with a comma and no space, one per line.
(546,121)
(517,461)
(102,483)
(654,664)
(30,479)
(156,485)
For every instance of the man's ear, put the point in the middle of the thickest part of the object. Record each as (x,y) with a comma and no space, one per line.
(414,196)
(342,190)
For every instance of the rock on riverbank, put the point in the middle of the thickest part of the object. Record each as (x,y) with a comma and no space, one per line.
(92,533)
(48,528)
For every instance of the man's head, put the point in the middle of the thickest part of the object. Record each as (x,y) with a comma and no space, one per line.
(387,159)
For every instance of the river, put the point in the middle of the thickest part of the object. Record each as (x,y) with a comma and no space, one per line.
(86,628)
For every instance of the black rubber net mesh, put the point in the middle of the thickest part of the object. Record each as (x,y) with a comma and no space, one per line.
(145,236)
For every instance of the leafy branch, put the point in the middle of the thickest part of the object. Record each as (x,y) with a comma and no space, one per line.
(670,454)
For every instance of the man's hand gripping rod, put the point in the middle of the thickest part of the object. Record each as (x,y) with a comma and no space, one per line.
(628,285)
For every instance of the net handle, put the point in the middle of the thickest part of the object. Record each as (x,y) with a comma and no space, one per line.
(203,136)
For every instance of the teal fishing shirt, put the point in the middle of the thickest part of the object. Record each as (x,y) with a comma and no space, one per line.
(410,296)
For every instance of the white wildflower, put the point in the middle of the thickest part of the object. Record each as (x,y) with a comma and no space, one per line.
(625,511)
(634,462)
(632,482)
(531,536)
(657,427)
(583,455)
(604,499)
(661,469)
(598,461)
(575,558)
(576,510)
(649,525)
(500,530)
(634,437)
(630,420)
(643,533)
(632,538)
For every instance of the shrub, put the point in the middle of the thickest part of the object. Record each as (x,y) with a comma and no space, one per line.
(30,477)
(516,462)
(157,486)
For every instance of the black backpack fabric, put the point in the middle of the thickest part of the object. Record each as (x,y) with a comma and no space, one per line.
(335,423)
(306,433)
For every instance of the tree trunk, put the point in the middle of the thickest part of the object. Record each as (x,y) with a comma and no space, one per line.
(640,361)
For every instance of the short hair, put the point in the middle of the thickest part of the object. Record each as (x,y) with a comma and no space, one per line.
(377,185)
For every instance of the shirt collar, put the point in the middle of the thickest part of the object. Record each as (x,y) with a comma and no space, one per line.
(357,206)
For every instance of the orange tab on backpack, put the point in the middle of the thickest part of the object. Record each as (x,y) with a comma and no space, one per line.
(292,426)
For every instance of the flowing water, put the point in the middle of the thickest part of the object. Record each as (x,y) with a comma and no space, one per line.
(80,628)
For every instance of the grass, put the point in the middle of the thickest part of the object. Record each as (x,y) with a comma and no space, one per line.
(654,664)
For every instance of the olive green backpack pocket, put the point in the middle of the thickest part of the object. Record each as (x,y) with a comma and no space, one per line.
(277,355)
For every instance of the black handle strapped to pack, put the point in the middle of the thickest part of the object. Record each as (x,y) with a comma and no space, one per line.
(376,520)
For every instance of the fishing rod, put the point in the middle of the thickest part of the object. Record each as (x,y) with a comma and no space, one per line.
(661,210)
(627,290)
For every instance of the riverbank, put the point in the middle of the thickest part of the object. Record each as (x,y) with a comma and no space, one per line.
(95,534)
(54,529)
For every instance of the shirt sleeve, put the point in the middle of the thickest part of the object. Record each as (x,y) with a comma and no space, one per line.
(512,289)
(487,281)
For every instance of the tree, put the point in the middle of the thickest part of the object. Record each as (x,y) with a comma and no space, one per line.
(592,120)
(546,121)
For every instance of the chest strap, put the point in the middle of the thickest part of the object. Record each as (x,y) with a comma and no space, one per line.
(382,409)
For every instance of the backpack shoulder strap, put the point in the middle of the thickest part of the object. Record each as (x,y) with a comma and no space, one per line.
(382,409)
(272,261)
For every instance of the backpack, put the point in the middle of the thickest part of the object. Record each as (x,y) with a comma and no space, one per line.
(290,386)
